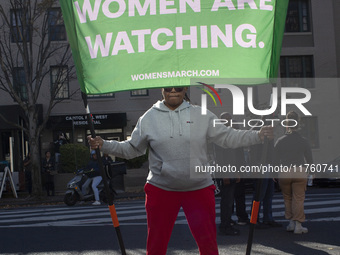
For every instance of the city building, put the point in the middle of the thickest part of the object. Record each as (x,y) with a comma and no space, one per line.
(310,58)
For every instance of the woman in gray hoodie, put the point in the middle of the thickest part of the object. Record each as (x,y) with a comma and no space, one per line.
(177,134)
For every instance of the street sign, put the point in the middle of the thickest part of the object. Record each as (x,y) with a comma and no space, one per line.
(7,175)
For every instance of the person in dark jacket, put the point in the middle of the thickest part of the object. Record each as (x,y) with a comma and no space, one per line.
(225,157)
(107,160)
(57,144)
(268,184)
(48,167)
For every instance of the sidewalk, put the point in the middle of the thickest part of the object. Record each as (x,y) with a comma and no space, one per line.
(24,200)
(134,182)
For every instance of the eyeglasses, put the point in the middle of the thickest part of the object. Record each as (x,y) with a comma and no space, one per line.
(178,89)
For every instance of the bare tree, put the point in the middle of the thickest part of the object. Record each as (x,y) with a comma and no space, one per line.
(28,49)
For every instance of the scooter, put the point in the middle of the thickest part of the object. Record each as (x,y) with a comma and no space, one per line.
(79,189)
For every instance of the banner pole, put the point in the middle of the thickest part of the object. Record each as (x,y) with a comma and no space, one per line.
(108,194)
(256,202)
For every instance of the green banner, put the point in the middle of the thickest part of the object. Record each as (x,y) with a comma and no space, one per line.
(136,44)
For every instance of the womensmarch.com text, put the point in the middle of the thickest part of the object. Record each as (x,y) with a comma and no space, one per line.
(231,169)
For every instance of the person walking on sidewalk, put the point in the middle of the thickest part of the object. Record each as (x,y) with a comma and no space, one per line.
(48,167)
(293,150)
(176,135)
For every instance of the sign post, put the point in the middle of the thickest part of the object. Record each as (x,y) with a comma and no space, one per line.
(108,194)
(7,175)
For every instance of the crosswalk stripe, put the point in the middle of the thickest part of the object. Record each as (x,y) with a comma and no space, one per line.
(69,209)
(133,213)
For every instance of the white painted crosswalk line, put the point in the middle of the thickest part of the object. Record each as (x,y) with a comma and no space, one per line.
(322,207)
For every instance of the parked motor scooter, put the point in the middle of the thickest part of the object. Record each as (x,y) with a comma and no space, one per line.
(79,188)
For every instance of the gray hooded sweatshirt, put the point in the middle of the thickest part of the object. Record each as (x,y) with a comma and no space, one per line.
(178,143)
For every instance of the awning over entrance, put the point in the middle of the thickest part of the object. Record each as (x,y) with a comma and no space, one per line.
(108,120)
(13,113)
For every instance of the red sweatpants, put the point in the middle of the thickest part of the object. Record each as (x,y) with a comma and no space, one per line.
(162,208)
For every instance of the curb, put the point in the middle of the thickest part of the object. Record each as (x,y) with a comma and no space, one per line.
(8,201)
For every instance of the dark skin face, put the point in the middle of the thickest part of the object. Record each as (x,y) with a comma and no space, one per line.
(173,99)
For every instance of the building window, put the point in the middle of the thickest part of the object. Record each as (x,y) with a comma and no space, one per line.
(139,93)
(112,95)
(56,27)
(309,130)
(296,67)
(18,31)
(19,83)
(59,82)
(298,16)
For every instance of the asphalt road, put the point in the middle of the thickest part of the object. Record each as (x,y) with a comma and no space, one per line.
(86,229)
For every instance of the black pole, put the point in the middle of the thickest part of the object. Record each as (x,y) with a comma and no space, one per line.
(256,202)
(74,148)
(103,174)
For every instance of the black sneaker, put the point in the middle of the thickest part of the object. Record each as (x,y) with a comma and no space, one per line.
(229,231)
(272,224)
(260,225)
(243,222)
